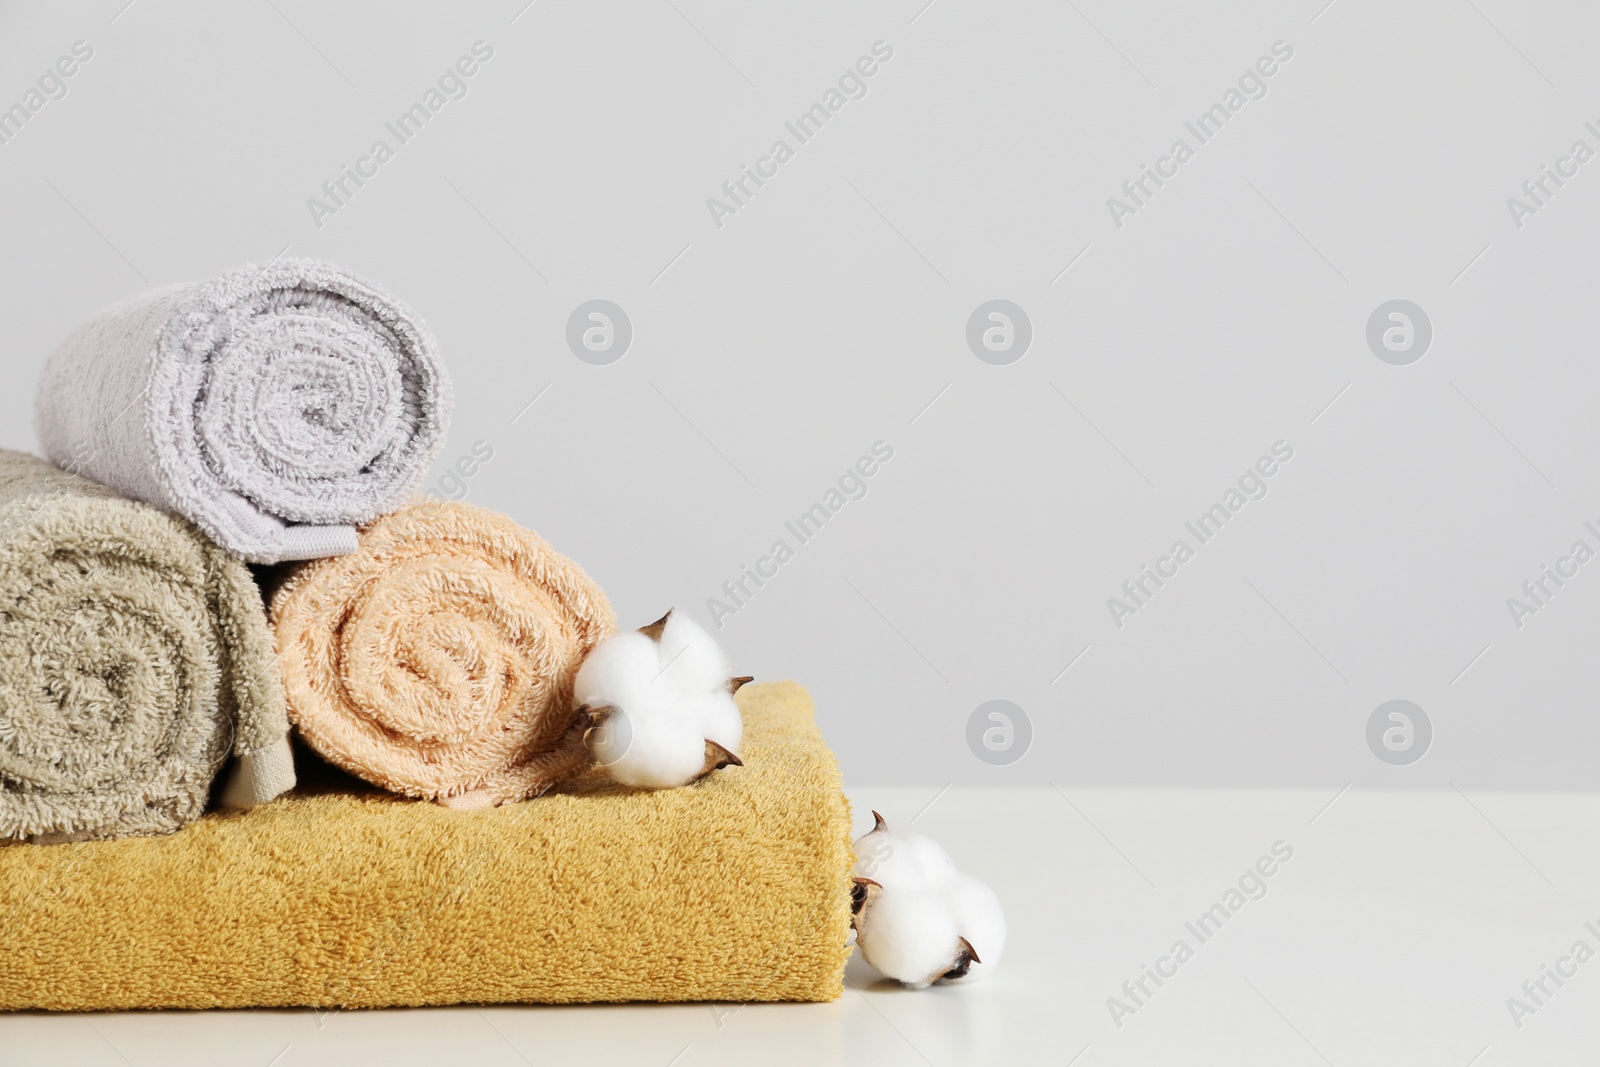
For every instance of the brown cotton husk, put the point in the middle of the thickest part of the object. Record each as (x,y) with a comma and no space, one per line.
(653,631)
(589,719)
(717,758)
(966,956)
(863,891)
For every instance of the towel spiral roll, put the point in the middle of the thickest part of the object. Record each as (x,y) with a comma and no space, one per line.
(438,660)
(134,658)
(276,407)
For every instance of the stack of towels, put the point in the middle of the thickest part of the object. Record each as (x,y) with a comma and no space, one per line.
(286,415)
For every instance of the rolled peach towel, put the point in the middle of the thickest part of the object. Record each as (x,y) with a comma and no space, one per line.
(438,659)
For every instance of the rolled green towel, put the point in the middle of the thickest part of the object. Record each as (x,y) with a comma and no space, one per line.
(134,658)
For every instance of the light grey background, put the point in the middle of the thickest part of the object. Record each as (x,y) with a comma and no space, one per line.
(770,353)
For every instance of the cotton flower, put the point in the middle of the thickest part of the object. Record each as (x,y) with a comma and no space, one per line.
(661,702)
(917,919)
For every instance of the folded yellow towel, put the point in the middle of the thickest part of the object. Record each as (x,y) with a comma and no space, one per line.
(735,889)
(437,660)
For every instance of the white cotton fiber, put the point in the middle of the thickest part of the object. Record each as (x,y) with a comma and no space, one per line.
(690,658)
(660,694)
(908,935)
(649,750)
(903,861)
(720,719)
(919,920)
(618,671)
(980,920)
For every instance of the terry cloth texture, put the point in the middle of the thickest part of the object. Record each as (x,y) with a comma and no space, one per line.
(736,888)
(438,659)
(275,407)
(134,654)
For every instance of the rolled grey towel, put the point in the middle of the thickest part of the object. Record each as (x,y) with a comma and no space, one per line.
(277,408)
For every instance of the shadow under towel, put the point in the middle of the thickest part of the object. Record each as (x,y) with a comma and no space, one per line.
(277,407)
(134,657)
(438,660)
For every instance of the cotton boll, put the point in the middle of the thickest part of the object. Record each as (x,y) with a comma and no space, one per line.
(979,919)
(909,936)
(917,918)
(662,703)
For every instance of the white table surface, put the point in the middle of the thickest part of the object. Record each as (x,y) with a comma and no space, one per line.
(1395,935)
